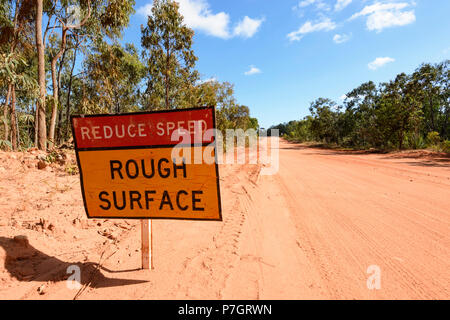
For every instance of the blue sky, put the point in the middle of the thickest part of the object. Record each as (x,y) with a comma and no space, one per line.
(281,55)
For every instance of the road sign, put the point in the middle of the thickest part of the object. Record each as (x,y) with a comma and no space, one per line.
(149,165)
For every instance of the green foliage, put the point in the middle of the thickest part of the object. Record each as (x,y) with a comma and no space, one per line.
(434,142)
(97,74)
(252,123)
(52,156)
(113,16)
(169,57)
(361,116)
(415,141)
(13,69)
(229,114)
(433,138)
(111,82)
(71,169)
(446,146)
(325,117)
(393,115)
(299,131)
(5,145)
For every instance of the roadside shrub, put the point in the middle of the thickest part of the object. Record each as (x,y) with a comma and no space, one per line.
(5,145)
(415,141)
(446,146)
(72,169)
(433,138)
(56,156)
(434,141)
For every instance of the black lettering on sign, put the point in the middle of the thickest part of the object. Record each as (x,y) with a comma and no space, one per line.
(147,198)
(124,201)
(115,165)
(135,196)
(136,169)
(178,167)
(108,203)
(167,170)
(166,200)
(178,200)
(148,176)
(195,200)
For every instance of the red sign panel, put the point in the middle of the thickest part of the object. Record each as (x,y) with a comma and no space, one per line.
(143,129)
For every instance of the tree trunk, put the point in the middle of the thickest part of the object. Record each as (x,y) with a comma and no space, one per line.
(432,114)
(59,127)
(36,117)
(41,125)
(58,123)
(10,85)
(167,92)
(62,48)
(167,79)
(13,119)
(400,139)
(69,91)
(51,135)
(5,113)
(445,125)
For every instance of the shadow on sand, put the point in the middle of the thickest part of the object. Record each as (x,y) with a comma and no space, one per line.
(26,263)
(326,150)
(437,163)
(424,159)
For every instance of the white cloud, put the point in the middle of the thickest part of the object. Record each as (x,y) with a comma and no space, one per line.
(319,4)
(386,15)
(308,27)
(213,79)
(247,27)
(379,62)
(252,70)
(145,9)
(341,38)
(305,3)
(343,97)
(376,7)
(341,4)
(198,15)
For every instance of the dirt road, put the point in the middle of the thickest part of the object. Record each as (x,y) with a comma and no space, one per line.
(346,212)
(310,231)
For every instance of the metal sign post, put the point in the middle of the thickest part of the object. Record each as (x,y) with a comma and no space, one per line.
(147,242)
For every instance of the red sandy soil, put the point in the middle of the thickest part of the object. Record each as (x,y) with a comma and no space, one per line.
(310,231)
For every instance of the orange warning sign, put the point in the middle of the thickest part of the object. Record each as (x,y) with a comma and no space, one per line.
(154,177)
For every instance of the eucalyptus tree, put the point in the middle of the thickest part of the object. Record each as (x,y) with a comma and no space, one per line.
(169,57)
(66,22)
(324,114)
(16,53)
(399,110)
(444,81)
(112,78)
(361,104)
(404,112)
(89,20)
(433,92)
